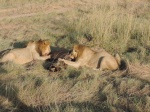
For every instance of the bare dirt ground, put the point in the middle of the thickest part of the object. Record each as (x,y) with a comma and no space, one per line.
(30,10)
(33,9)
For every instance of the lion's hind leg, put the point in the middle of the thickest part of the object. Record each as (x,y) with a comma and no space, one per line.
(8,57)
(109,63)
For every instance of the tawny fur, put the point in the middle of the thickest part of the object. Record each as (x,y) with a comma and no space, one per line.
(35,50)
(97,60)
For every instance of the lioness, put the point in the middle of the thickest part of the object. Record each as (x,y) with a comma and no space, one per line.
(98,60)
(35,50)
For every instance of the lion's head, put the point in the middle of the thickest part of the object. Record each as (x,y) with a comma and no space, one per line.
(76,52)
(43,47)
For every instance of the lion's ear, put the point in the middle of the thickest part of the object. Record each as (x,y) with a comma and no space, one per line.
(76,47)
(46,42)
(39,41)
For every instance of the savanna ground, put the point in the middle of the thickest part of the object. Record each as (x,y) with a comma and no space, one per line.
(121,26)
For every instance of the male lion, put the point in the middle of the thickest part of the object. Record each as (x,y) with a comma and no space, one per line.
(35,50)
(98,60)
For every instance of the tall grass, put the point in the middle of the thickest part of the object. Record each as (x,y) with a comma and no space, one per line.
(111,26)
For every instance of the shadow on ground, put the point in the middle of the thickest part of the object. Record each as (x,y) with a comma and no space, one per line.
(19,106)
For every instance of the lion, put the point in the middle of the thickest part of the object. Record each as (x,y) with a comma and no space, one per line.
(35,50)
(97,60)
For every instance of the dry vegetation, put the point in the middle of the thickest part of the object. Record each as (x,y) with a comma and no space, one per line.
(121,26)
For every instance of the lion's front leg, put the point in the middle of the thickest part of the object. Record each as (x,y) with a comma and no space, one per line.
(74,64)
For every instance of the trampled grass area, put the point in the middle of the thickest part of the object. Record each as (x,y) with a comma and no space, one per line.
(119,26)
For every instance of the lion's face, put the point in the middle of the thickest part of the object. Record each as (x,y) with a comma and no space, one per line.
(75,52)
(43,47)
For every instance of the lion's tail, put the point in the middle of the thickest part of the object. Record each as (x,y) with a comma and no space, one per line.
(122,63)
(135,70)
(2,53)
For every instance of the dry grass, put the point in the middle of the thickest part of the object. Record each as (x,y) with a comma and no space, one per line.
(118,26)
